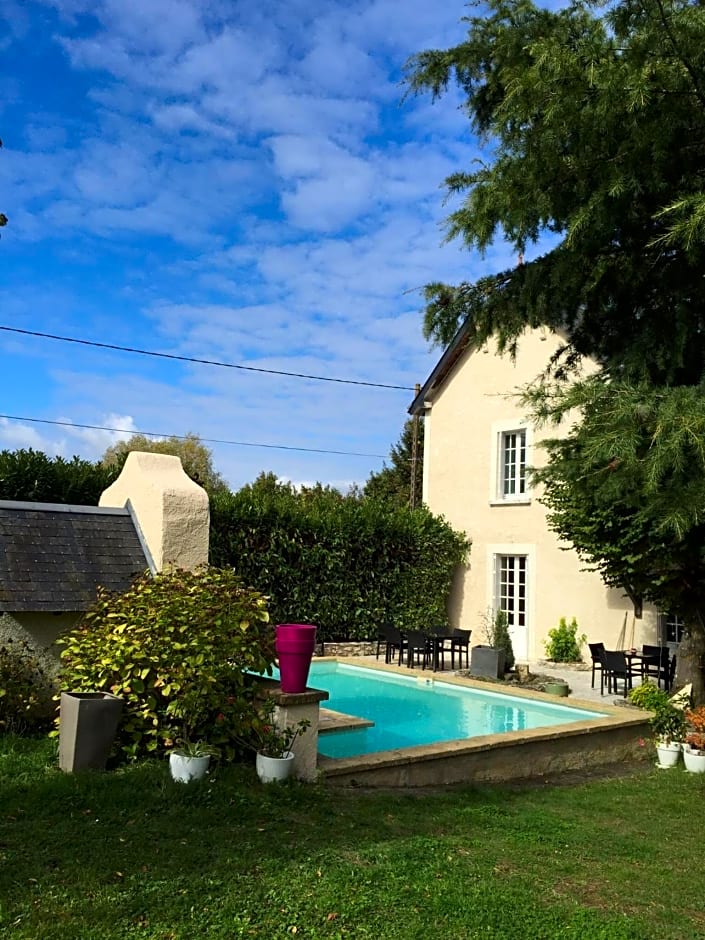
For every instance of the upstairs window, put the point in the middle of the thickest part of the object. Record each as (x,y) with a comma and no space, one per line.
(512,464)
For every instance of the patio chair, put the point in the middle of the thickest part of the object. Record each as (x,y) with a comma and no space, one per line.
(394,643)
(615,668)
(381,639)
(460,643)
(596,651)
(418,647)
(657,664)
(440,641)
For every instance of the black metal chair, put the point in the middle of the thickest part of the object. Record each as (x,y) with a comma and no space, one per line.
(394,643)
(381,639)
(418,647)
(615,668)
(596,651)
(440,641)
(460,643)
(655,664)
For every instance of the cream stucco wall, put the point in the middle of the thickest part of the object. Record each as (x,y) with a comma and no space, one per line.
(170,509)
(462,426)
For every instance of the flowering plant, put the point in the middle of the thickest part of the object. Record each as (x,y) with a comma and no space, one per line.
(270,740)
(696,721)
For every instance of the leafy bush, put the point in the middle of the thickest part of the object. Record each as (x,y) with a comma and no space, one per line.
(177,649)
(31,475)
(563,645)
(648,696)
(26,691)
(344,563)
(668,723)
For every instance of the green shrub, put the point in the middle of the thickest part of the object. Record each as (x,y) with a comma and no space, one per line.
(498,636)
(668,723)
(649,696)
(344,563)
(31,475)
(26,691)
(563,645)
(177,649)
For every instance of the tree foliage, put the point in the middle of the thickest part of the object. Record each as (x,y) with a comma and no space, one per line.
(393,482)
(29,475)
(592,120)
(196,458)
(626,488)
(344,563)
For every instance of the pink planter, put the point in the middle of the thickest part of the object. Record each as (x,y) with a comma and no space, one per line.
(294,644)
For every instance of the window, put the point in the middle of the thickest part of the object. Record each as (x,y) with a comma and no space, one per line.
(512,465)
(510,588)
(671,627)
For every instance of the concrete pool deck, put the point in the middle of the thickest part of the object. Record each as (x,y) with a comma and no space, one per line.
(613,736)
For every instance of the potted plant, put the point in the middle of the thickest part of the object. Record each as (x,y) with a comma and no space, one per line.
(694,745)
(273,745)
(189,761)
(668,725)
(497,656)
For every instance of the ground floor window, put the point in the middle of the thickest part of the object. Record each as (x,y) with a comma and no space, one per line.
(671,628)
(510,588)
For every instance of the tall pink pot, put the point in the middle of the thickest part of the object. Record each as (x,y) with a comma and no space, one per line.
(294,643)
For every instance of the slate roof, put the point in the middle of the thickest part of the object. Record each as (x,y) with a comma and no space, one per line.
(53,557)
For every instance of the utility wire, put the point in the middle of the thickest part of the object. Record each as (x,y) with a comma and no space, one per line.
(204,362)
(182,437)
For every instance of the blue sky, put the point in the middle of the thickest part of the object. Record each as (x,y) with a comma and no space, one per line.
(231,181)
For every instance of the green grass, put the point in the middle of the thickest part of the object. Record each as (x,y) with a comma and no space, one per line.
(130,854)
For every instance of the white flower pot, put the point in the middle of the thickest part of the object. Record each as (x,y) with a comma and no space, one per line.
(668,754)
(185,769)
(694,760)
(274,769)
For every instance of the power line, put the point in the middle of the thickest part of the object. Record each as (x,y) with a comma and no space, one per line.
(182,437)
(203,362)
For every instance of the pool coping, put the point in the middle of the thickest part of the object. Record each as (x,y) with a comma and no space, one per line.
(615,734)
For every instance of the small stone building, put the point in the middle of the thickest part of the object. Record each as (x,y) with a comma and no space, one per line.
(53,557)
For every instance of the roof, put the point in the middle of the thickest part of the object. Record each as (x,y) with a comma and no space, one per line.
(53,557)
(463,341)
(458,345)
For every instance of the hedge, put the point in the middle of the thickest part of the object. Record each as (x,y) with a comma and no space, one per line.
(346,564)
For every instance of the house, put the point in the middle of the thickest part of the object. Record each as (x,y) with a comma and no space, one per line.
(477,446)
(53,557)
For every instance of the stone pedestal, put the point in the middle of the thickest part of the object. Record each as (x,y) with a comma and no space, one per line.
(290,709)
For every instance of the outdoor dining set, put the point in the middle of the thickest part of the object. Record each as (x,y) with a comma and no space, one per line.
(623,666)
(420,648)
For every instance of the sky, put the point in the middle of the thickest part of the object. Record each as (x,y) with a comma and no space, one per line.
(242,182)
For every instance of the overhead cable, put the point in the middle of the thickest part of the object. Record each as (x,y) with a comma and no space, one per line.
(182,437)
(203,362)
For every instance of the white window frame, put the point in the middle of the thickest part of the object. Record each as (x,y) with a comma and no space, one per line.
(516,604)
(501,433)
(522,635)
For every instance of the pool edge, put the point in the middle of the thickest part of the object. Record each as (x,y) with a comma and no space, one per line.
(614,736)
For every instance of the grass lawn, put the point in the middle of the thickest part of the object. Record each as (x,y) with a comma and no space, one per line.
(131,854)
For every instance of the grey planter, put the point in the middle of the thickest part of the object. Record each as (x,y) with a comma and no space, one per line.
(89,721)
(487,661)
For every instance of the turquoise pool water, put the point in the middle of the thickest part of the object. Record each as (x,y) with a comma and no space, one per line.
(409,711)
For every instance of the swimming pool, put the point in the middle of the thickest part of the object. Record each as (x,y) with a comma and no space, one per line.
(409,711)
